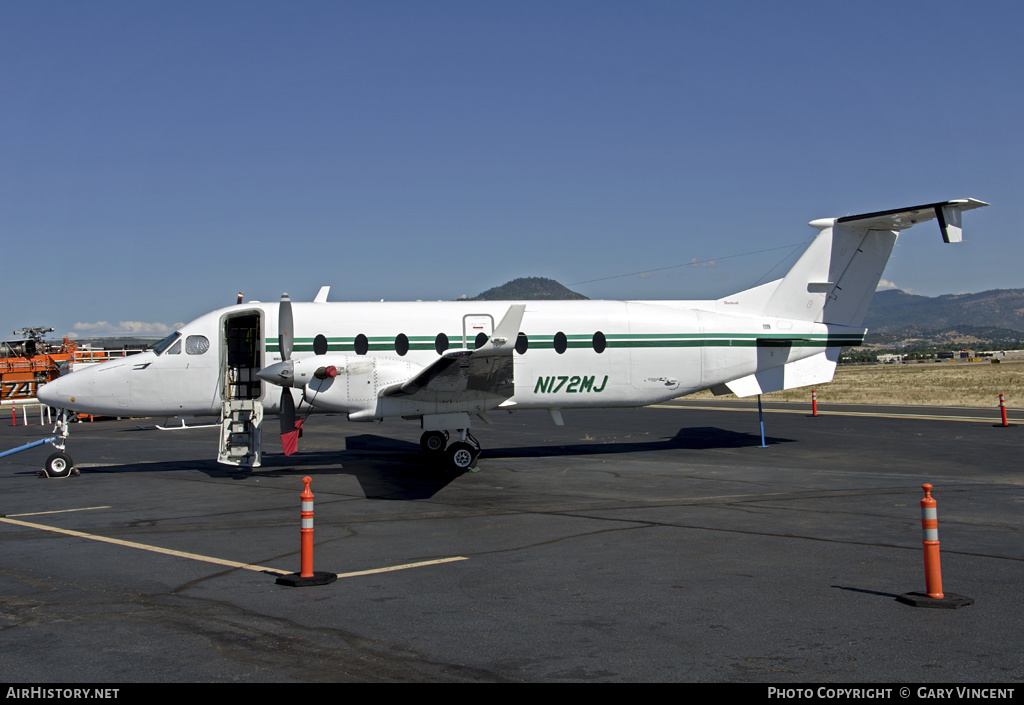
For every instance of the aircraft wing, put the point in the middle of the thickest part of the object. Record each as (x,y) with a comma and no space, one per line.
(468,374)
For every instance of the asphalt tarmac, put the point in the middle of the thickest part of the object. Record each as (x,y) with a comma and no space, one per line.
(660,544)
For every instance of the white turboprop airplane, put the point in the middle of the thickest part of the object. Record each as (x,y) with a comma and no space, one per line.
(442,363)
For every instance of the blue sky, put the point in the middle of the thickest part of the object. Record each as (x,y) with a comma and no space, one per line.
(158,157)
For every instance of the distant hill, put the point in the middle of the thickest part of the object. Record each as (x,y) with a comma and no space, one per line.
(988,320)
(893,310)
(970,337)
(529,289)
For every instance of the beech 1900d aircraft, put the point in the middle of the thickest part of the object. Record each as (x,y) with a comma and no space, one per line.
(443,363)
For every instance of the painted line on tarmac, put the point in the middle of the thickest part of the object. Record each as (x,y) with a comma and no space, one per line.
(807,412)
(144,547)
(207,559)
(57,511)
(402,567)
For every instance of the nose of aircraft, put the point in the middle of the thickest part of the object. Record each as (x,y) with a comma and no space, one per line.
(76,390)
(67,392)
(49,393)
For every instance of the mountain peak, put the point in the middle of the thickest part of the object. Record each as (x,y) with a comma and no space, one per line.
(529,289)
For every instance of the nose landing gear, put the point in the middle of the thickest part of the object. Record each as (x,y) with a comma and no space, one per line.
(59,464)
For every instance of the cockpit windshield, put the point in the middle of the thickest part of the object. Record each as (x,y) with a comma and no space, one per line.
(166,342)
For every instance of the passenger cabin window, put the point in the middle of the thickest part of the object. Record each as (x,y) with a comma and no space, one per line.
(561,342)
(600,342)
(402,344)
(196,344)
(522,343)
(441,343)
(361,344)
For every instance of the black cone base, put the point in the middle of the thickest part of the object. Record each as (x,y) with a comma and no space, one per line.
(949,601)
(294,580)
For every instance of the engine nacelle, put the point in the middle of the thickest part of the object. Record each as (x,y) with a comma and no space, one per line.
(356,381)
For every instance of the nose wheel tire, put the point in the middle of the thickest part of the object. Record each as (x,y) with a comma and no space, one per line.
(58,465)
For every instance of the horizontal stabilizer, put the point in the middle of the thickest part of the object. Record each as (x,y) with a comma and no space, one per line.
(948,213)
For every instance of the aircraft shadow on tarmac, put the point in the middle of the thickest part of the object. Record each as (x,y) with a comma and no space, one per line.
(701,438)
(389,468)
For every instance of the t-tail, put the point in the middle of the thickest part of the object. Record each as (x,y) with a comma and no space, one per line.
(832,284)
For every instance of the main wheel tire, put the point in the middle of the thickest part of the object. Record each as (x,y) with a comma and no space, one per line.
(433,442)
(59,465)
(462,456)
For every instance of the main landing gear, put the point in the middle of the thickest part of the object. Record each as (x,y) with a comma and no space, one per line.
(460,455)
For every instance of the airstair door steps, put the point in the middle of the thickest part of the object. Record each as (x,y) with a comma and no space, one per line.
(240,433)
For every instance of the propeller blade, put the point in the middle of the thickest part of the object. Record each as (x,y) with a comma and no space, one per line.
(285,327)
(289,430)
(287,412)
(283,373)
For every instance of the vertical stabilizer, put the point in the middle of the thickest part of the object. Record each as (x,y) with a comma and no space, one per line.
(835,278)
(857,269)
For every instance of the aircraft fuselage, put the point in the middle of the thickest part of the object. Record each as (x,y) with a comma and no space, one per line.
(569,354)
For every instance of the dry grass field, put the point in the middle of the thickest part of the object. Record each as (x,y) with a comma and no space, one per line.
(975,384)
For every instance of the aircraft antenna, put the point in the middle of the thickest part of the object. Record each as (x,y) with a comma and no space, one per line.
(693,263)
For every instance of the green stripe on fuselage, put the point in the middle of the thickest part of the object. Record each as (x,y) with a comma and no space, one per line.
(614,340)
